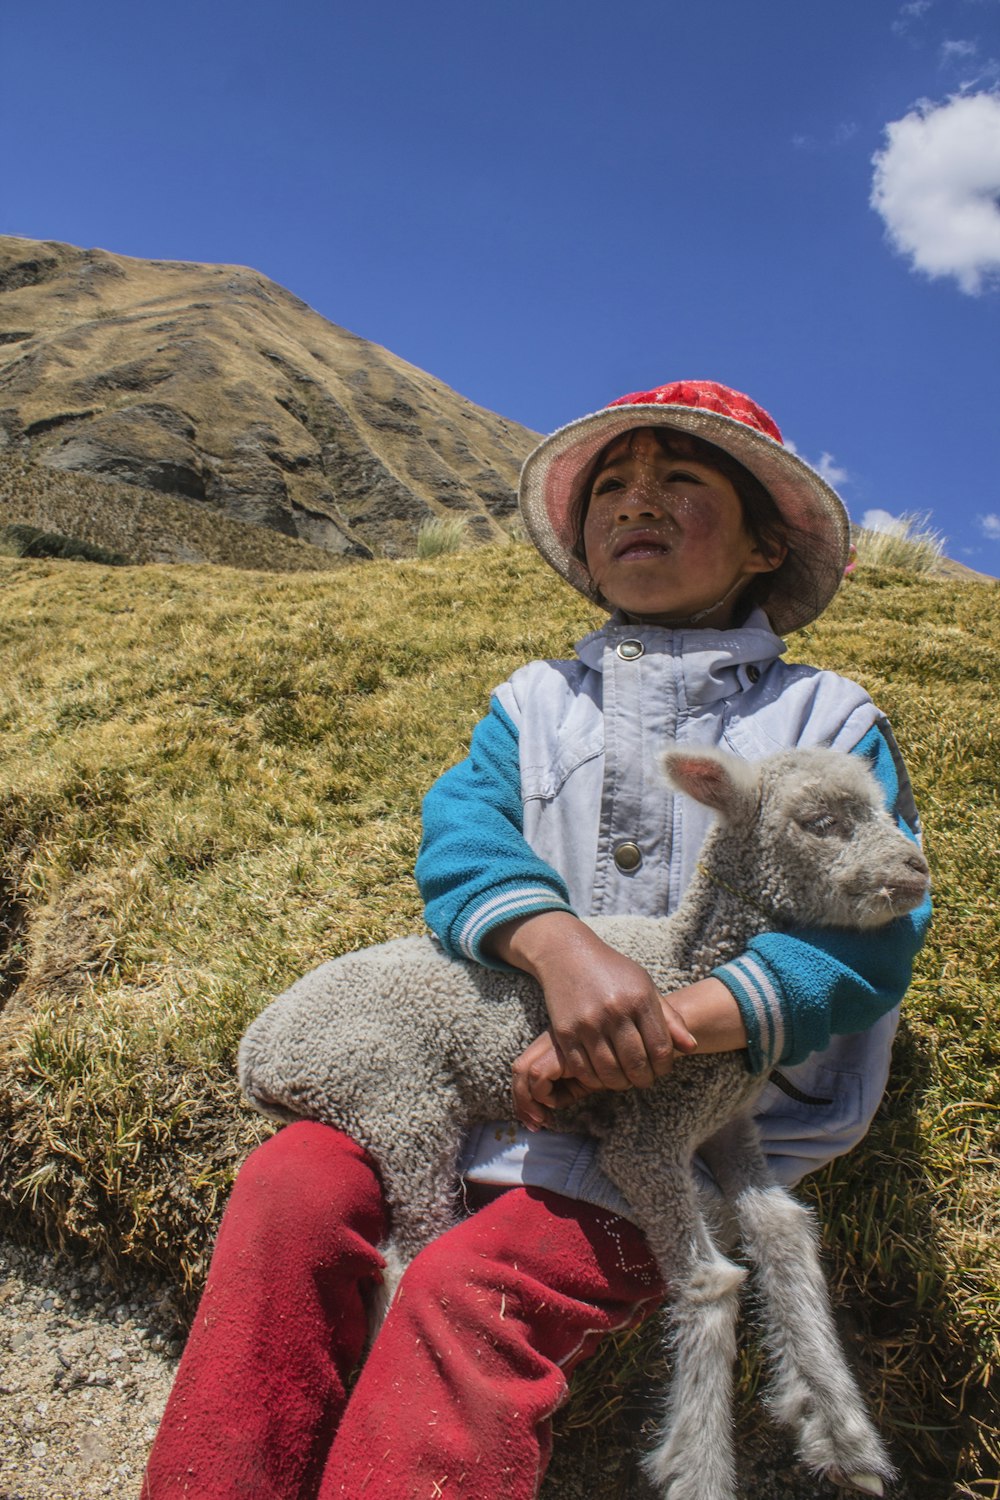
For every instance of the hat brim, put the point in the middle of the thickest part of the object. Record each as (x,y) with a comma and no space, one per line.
(554,474)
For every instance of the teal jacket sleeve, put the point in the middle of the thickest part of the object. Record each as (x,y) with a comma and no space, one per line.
(796,990)
(475,869)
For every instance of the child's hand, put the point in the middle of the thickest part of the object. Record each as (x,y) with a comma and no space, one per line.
(610,1028)
(540,1083)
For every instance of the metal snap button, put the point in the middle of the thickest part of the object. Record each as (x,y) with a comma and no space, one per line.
(630,650)
(753,673)
(628,857)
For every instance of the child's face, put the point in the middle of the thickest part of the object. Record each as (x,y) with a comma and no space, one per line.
(664,536)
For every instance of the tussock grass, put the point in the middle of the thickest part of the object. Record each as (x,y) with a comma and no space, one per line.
(441,534)
(209,782)
(29,541)
(912,545)
(143,525)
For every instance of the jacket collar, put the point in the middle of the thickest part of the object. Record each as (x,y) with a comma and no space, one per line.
(712,664)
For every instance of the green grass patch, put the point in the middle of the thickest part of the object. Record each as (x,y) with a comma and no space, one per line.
(210,782)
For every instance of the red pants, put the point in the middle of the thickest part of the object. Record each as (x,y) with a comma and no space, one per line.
(455,1396)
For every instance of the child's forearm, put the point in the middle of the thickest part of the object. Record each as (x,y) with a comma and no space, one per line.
(610,1027)
(711,1014)
(536,942)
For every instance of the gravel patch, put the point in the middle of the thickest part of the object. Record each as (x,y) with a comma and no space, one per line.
(84,1374)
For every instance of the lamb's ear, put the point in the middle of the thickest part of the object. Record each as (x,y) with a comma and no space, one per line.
(722,782)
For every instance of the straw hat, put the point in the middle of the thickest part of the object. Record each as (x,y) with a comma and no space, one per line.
(555,474)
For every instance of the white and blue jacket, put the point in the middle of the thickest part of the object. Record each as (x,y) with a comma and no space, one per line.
(564,770)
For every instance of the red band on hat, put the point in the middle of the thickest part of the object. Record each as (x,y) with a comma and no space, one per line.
(709,396)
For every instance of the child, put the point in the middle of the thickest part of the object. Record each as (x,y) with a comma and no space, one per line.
(680,511)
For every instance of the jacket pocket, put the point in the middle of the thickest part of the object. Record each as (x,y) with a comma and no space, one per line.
(544,780)
(827,1102)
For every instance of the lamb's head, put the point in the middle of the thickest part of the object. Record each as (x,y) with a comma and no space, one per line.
(806,836)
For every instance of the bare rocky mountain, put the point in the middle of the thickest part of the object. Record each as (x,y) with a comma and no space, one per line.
(216,388)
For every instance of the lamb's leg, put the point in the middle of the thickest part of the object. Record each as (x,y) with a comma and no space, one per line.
(381,1297)
(693,1456)
(421,1189)
(812,1391)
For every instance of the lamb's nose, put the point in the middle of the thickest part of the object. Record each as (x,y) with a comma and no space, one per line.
(916,862)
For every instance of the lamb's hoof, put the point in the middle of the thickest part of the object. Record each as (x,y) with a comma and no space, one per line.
(864,1484)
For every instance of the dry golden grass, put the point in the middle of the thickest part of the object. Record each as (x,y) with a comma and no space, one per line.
(144,525)
(209,781)
(912,544)
(440,534)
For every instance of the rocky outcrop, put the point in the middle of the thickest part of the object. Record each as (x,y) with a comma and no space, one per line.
(215,386)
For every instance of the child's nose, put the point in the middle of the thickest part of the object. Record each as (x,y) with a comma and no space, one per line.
(640,498)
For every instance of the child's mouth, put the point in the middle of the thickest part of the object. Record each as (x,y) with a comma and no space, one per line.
(637,551)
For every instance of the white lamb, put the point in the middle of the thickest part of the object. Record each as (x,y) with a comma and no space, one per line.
(405,1049)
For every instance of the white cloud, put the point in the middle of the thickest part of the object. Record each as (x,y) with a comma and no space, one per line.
(937,188)
(990,526)
(956,51)
(909,13)
(831,471)
(883,520)
(843,132)
(827,467)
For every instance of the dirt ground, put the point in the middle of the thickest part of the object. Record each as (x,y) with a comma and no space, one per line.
(84,1376)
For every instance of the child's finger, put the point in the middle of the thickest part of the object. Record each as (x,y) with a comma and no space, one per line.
(658,1044)
(634,1052)
(680,1035)
(533,1078)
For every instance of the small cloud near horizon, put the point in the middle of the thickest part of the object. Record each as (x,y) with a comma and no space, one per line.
(990,526)
(884,520)
(827,467)
(831,471)
(936,188)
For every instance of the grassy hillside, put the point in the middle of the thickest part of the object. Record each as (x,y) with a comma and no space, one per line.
(209,782)
(214,383)
(143,525)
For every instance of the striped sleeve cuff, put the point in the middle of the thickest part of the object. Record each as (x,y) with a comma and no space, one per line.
(501,905)
(759,1001)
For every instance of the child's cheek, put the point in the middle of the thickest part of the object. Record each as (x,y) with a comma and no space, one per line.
(599,537)
(697,516)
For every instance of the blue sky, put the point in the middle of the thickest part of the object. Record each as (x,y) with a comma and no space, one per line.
(548,204)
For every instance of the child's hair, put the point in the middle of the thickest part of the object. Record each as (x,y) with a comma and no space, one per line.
(762,518)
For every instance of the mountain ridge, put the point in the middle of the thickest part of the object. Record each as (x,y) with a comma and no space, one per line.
(223,389)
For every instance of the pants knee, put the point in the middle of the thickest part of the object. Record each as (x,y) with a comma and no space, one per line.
(307,1184)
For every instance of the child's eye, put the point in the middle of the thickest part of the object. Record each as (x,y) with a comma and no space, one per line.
(605,485)
(683,476)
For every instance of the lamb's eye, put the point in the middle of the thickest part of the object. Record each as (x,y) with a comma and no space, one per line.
(821,824)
